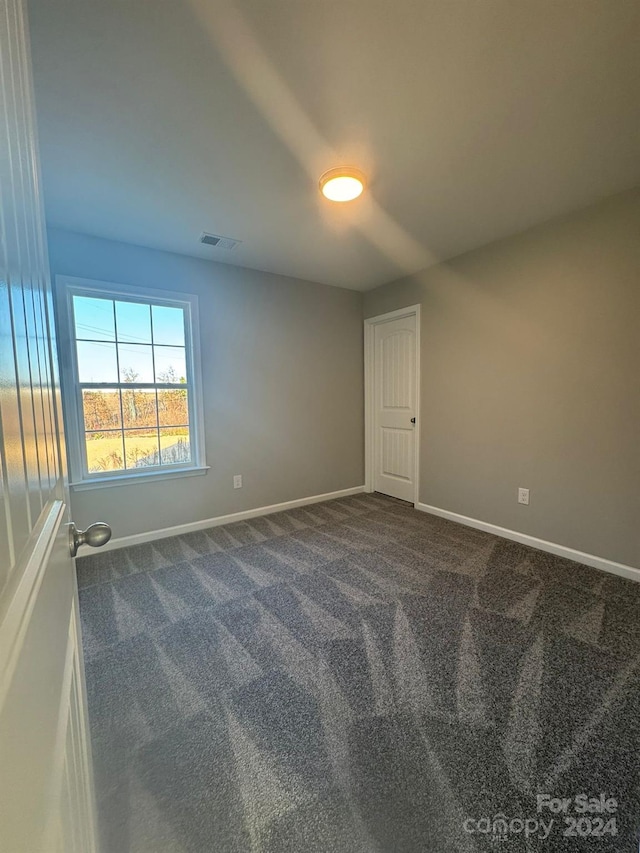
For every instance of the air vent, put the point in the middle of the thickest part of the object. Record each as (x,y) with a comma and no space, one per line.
(219,242)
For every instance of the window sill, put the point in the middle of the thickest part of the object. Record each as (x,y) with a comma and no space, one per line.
(129,479)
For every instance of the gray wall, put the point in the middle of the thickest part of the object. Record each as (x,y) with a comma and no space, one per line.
(531,377)
(283,386)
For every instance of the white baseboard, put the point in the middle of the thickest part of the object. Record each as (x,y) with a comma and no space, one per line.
(552,547)
(190,527)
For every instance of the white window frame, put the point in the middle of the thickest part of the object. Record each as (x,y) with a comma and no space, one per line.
(66,288)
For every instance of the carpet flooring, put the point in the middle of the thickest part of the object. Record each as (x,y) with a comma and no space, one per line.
(359,677)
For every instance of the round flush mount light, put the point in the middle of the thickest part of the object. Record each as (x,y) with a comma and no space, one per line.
(342,184)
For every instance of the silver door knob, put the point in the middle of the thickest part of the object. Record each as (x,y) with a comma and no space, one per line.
(95,535)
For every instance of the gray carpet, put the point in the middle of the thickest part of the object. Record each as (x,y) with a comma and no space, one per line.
(357,677)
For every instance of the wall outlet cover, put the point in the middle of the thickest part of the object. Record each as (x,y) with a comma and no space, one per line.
(523,496)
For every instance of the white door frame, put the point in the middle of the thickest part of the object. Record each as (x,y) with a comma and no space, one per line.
(369,395)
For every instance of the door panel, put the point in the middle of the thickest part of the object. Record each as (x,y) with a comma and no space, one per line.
(39,693)
(46,800)
(396,453)
(69,829)
(394,394)
(397,357)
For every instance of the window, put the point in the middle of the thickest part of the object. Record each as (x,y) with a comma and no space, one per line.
(131,383)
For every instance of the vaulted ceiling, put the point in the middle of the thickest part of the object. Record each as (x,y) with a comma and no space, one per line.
(473,119)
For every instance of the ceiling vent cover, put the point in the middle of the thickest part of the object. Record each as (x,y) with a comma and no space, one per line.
(219,242)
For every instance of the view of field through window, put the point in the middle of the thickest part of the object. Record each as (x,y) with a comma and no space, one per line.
(132,371)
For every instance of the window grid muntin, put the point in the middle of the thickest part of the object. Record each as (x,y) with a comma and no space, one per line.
(155,377)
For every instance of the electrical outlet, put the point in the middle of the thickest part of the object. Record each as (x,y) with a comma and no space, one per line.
(237,481)
(523,496)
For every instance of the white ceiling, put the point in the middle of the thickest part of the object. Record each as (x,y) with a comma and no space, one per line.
(474,119)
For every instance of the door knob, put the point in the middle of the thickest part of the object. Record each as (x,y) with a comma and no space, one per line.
(413,420)
(95,535)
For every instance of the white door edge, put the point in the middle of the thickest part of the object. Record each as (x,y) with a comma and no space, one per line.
(369,378)
(22,590)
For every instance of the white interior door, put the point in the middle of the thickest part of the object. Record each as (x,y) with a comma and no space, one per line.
(46,799)
(395,407)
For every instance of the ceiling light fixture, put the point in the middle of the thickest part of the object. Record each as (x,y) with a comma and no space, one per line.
(342,184)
